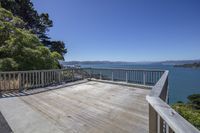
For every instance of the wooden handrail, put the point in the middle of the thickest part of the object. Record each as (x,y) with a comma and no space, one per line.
(162,118)
(126,69)
(20,80)
(137,76)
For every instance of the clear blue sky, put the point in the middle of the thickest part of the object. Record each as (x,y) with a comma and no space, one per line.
(125,30)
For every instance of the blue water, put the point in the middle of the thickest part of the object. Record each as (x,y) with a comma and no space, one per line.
(182,81)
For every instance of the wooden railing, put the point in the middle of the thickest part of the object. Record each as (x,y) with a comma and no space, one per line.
(20,80)
(135,76)
(162,118)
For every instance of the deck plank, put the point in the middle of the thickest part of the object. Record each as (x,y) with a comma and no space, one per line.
(92,107)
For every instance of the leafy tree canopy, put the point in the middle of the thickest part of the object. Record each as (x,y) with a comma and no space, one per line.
(38,24)
(20,49)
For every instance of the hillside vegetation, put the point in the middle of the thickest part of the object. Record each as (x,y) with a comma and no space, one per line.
(191,110)
(193,65)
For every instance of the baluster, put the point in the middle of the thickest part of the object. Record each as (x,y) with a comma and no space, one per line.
(72,74)
(19,81)
(159,124)
(112,77)
(100,76)
(1,85)
(152,120)
(31,80)
(168,129)
(45,78)
(126,76)
(51,77)
(39,79)
(4,81)
(54,77)
(13,85)
(34,79)
(144,77)
(9,81)
(42,78)
(48,77)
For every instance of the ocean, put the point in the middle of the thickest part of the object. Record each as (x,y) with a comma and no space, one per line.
(182,81)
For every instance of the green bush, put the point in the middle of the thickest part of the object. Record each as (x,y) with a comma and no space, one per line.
(7,64)
(190,111)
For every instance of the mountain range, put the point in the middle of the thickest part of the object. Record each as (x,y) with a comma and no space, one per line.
(168,62)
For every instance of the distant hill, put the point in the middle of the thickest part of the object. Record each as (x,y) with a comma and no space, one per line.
(172,62)
(101,62)
(193,65)
(176,63)
(179,62)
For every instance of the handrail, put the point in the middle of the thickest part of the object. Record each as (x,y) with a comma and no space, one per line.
(20,80)
(135,76)
(162,118)
(125,69)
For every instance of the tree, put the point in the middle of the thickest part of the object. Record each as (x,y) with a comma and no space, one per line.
(57,46)
(38,24)
(20,49)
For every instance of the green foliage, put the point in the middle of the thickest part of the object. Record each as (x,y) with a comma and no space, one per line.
(193,65)
(7,64)
(190,111)
(195,100)
(191,115)
(20,49)
(59,47)
(38,24)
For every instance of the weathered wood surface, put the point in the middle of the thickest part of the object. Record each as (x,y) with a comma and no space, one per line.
(160,111)
(92,107)
(173,119)
(4,127)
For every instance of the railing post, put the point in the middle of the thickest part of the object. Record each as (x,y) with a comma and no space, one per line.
(126,77)
(59,76)
(20,83)
(9,79)
(72,74)
(112,77)
(100,76)
(42,78)
(144,77)
(1,86)
(82,73)
(160,124)
(90,72)
(168,129)
(152,120)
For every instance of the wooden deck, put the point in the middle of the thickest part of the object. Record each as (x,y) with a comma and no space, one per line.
(91,107)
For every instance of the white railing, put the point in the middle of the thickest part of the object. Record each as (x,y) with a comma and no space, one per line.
(162,118)
(20,80)
(136,76)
